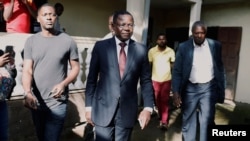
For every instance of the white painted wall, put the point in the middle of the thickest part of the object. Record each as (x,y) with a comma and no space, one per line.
(88,18)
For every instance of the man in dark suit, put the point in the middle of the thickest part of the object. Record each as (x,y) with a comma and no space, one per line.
(111,93)
(198,82)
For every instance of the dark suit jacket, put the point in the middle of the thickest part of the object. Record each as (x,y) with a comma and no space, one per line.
(183,66)
(105,90)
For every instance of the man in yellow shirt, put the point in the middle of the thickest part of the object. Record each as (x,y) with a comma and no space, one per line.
(162,58)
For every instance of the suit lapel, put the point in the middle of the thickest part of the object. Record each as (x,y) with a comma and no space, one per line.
(190,49)
(212,50)
(211,46)
(130,58)
(113,56)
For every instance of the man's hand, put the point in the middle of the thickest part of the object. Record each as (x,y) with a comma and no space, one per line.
(32,11)
(58,90)
(25,2)
(30,101)
(88,118)
(144,118)
(4,59)
(177,99)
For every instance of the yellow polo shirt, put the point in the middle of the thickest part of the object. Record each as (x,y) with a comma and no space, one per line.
(161,67)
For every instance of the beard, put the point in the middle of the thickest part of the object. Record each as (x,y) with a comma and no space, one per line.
(199,41)
(161,45)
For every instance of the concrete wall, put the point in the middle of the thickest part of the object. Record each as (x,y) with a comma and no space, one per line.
(88,18)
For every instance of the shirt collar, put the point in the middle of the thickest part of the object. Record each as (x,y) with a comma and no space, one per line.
(205,43)
(118,41)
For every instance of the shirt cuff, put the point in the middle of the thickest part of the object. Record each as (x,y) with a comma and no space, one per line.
(149,109)
(88,109)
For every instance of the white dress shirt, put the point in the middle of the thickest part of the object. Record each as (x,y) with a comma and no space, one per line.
(202,67)
(118,47)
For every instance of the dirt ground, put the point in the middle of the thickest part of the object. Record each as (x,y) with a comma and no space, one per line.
(229,113)
(22,129)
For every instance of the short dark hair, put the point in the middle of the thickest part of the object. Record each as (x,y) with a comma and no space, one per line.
(1,52)
(44,5)
(58,5)
(121,12)
(161,34)
(199,23)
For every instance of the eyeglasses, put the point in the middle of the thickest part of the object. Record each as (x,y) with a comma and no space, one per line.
(122,26)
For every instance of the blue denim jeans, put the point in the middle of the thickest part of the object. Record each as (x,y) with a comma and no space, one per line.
(198,100)
(49,122)
(3,121)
